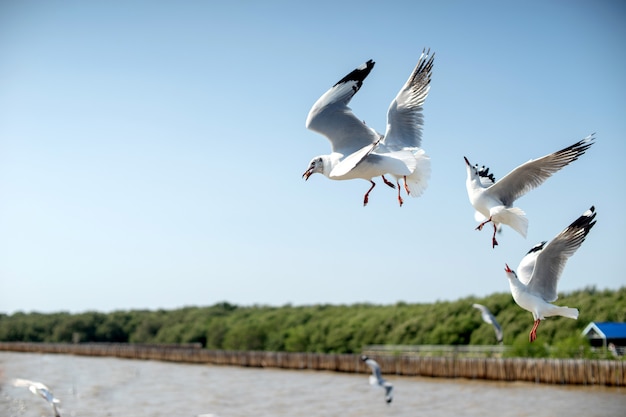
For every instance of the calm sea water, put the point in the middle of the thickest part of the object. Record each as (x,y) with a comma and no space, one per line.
(118,387)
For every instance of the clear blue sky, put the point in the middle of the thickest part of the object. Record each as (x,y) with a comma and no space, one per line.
(151,152)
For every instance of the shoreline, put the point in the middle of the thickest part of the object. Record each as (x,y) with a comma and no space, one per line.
(610,373)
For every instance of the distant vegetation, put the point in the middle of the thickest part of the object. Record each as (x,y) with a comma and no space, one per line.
(328,328)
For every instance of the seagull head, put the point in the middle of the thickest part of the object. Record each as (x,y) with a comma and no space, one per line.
(316,165)
(509,272)
(472,171)
(480,174)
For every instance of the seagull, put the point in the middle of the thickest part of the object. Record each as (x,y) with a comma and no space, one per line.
(41,390)
(613,349)
(493,199)
(359,151)
(534,285)
(490,318)
(377,378)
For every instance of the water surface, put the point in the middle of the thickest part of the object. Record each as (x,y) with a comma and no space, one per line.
(90,387)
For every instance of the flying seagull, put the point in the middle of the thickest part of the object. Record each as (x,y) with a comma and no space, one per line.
(41,390)
(490,318)
(377,379)
(534,285)
(359,151)
(494,200)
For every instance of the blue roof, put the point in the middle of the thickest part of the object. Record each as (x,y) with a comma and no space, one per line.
(612,330)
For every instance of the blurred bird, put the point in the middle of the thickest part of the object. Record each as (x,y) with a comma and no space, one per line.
(358,151)
(490,318)
(377,379)
(494,199)
(41,390)
(534,285)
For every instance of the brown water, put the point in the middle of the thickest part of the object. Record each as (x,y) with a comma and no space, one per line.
(119,387)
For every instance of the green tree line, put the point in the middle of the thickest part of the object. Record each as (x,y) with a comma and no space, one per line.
(324,328)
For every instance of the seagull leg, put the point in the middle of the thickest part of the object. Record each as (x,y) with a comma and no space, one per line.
(406,187)
(533,333)
(392,185)
(399,196)
(366,198)
(494,242)
(480,226)
(387,182)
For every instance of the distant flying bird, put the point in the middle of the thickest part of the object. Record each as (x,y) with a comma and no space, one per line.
(41,390)
(534,285)
(490,318)
(377,379)
(359,151)
(493,200)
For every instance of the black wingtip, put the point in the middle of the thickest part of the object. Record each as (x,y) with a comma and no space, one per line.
(586,221)
(537,247)
(484,172)
(577,149)
(429,59)
(359,74)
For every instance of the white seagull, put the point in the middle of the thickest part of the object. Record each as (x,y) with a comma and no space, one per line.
(491,319)
(493,200)
(41,390)
(359,151)
(377,379)
(534,285)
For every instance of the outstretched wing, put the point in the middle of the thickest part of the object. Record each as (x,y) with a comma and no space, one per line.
(551,260)
(489,318)
(534,172)
(37,388)
(527,264)
(375,371)
(331,116)
(405,118)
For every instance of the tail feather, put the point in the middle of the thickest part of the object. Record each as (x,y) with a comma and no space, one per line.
(406,156)
(417,182)
(513,217)
(568,312)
